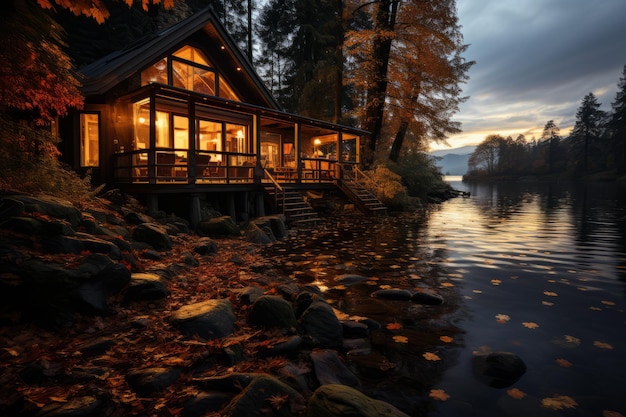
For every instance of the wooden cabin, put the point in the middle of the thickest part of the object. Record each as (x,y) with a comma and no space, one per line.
(182,117)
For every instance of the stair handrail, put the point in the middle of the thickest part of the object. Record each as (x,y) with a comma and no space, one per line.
(277,188)
(359,172)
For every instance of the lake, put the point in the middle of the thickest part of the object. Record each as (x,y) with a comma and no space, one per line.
(535,269)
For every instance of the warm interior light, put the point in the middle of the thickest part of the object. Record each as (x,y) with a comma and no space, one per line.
(142,120)
(240,134)
(317,142)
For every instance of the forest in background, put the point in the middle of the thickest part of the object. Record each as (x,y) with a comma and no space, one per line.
(596,147)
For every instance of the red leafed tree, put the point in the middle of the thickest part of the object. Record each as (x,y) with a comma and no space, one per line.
(37,77)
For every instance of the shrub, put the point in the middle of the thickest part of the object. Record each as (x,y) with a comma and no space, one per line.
(29,164)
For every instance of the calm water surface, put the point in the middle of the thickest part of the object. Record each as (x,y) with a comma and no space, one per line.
(534,269)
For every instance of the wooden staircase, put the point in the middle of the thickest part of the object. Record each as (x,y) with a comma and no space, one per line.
(367,202)
(289,201)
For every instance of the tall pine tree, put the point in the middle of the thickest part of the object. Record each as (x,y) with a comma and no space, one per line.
(617,124)
(588,127)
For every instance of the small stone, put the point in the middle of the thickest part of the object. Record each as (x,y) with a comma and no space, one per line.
(151,380)
(427,297)
(393,294)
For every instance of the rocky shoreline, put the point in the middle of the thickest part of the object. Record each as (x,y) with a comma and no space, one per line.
(108,311)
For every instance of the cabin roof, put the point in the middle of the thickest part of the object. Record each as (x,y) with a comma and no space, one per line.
(203,29)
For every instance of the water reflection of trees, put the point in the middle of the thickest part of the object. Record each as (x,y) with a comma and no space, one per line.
(596,211)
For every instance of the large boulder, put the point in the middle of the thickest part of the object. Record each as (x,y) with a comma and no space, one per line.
(272,311)
(51,206)
(209,319)
(266,393)
(342,401)
(219,227)
(273,226)
(145,286)
(321,326)
(330,369)
(153,234)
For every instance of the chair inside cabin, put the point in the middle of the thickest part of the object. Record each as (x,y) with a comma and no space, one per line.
(165,164)
(202,164)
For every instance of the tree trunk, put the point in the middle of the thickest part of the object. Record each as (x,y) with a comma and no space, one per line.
(394,155)
(376,94)
(340,38)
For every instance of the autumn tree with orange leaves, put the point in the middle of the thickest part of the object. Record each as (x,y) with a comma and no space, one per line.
(408,69)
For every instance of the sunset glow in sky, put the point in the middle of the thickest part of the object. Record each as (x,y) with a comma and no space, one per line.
(535,61)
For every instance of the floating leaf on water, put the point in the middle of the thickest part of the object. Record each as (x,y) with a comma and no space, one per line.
(559,402)
(530,325)
(564,363)
(429,356)
(495,282)
(610,413)
(446,339)
(516,393)
(502,318)
(608,303)
(438,394)
(385,287)
(566,341)
(547,303)
(595,308)
(477,291)
(550,294)
(602,345)
(401,339)
(394,326)
(447,284)
(582,289)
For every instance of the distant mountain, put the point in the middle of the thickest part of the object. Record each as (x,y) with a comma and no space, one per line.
(453,161)
(453,164)
(464,150)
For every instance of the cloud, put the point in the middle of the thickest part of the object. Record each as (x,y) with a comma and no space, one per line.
(536,60)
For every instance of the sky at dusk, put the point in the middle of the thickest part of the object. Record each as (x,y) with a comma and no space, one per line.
(535,61)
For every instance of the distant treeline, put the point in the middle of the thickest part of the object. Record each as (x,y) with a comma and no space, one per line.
(595,147)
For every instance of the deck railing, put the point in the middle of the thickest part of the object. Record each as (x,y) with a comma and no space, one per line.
(170,165)
(178,166)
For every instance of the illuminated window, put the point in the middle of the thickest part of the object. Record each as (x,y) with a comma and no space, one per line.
(89,140)
(209,136)
(188,68)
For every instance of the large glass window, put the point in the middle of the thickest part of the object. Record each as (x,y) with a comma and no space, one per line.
(162,124)
(89,139)
(181,135)
(236,138)
(141,119)
(209,136)
(270,149)
(190,69)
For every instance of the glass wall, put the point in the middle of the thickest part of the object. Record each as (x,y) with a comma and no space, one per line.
(188,68)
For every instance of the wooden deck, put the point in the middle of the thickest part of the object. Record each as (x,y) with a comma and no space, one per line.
(175,167)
